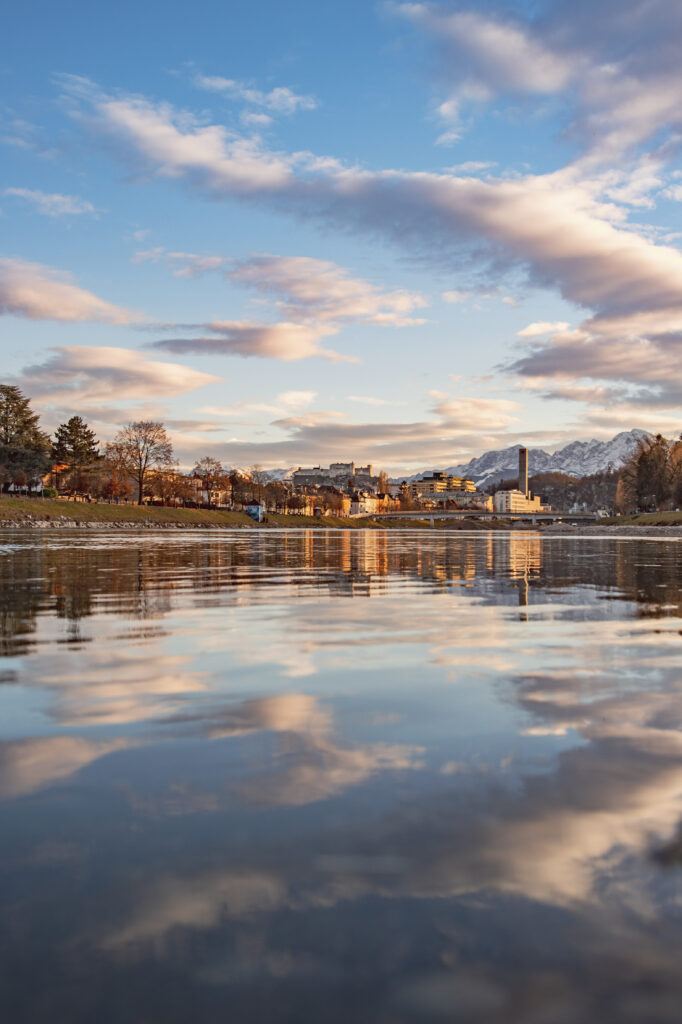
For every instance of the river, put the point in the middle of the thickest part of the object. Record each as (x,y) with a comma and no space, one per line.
(329,776)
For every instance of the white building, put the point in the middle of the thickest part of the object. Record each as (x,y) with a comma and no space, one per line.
(516,501)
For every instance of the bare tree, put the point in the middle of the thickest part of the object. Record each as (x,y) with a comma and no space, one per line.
(382,486)
(140,448)
(259,480)
(212,474)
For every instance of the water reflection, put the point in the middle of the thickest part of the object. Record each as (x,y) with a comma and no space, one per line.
(378,777)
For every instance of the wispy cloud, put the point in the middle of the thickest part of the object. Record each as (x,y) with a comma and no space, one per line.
(52,204)
(541,327)
(442,439)
(280,100)
(88,374)
(616,68)
(283,340)
(557,227)
(314,298)
(41,293)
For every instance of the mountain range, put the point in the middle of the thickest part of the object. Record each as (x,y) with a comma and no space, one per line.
(578,458)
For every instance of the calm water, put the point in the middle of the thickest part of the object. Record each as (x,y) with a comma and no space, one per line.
(340,777)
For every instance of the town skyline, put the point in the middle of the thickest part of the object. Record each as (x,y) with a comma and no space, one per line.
(469,242)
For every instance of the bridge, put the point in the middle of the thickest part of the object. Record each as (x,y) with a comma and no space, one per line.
(535,518)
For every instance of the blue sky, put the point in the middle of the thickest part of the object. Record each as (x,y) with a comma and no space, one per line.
(302,232)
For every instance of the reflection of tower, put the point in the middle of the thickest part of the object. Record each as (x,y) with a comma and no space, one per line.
(523,470)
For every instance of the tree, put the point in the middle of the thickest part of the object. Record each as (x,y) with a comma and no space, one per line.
(646,478)
(4,477)
(170,488)
(212,474)
(140,448)
(75,445)
(18,423)
(259,480)
(116,481)
(238,485)
(675,459)
(383,485)
(23,446)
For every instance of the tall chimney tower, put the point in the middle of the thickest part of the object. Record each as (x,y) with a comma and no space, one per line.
(523,470)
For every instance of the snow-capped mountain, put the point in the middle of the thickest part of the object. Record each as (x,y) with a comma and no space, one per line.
(579,458)
(281,475)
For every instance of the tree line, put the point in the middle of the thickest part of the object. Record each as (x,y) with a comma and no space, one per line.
(139,461)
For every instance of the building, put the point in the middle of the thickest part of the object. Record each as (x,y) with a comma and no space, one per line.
(516,501)
(519,500)
(364,504)
(336,475)
(437,482)
(523,470)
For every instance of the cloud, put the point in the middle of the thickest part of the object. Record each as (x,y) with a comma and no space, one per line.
(198,903)
(494,53)
(551,224)
(455,428)
(184,264)
(41,293)
(326,292)
(255,118)
(541,327)
(305,288)
(456,295)
(89,374)
(287,341)
(296,399)
(281,100)
(178,144)
(32,764)
(52,204)
(471,166)
(314,297)
(616,70)
(556,226)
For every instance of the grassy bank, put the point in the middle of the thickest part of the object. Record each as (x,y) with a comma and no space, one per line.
(18,511)
(644,519)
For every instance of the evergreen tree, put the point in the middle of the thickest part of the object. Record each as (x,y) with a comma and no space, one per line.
(18,423)
(23,445)
(75,444)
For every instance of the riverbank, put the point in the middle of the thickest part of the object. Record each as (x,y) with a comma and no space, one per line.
(48,513)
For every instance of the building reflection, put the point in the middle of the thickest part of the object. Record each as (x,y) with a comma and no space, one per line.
(143,576)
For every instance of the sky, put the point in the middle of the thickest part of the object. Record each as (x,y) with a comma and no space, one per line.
(303,232)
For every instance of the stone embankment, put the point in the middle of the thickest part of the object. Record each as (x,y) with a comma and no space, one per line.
(64,523)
